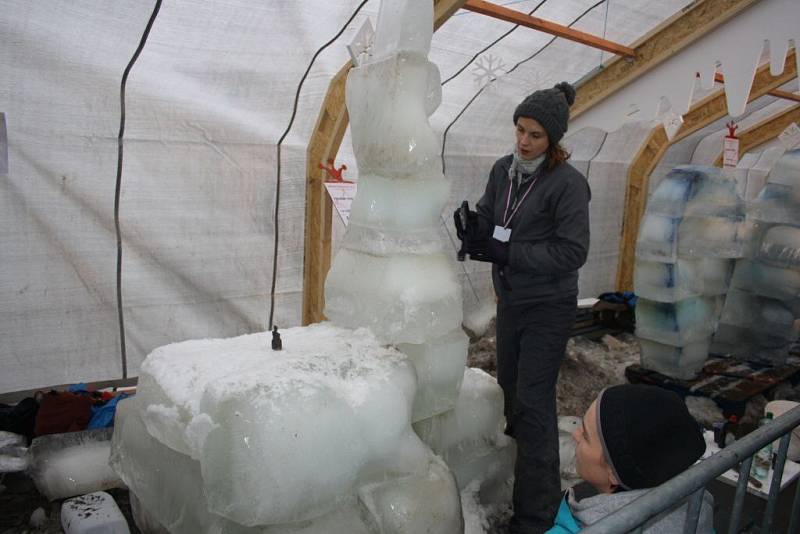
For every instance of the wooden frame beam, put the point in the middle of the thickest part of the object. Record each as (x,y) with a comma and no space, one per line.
(670,37)
(325,139)
(516,17)
(786,95)
(765,130)
(701,114)
(636,191)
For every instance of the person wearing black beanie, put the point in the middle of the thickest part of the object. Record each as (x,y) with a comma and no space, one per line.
(633,437)
(533,225)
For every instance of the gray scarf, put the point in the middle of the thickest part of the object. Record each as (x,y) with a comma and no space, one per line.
(524,167)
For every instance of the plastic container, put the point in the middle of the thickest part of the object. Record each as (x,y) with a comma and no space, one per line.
(93,513)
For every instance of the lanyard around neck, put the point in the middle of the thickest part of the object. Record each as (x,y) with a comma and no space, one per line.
(517,203)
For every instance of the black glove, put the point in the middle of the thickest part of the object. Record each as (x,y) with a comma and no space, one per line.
(498,252)
(473,230)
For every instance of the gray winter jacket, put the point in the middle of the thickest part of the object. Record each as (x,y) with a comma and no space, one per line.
(593,509)
(549,237)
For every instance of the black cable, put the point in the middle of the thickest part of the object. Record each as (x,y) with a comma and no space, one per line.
(487,47)
(139,49)
(280,141)
(512,69)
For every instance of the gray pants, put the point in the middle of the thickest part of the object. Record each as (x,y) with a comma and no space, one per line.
(531,340)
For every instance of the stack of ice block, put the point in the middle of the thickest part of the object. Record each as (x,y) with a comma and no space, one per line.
(228,436)
(393,273)
(690,235)
(760,316)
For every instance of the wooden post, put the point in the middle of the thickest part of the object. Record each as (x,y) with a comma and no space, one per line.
(636,191)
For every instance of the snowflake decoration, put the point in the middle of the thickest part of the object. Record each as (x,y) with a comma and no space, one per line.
(488,69)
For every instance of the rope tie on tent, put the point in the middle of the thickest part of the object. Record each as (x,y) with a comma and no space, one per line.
(280,142)
(121,134)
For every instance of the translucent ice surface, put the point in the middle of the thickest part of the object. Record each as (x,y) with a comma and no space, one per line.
(670,282)
(64,465)
(679,362)
(677,323)
(440,367)
(388,104)
(710,237)
(403,26)
(424,502)
(470,437)
(402,299)
(780,247)
(396,216)
(675,190)
(658,238)
(786,171)
(659,281)
(279,436)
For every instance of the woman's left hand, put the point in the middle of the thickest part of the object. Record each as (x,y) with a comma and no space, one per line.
(498,252)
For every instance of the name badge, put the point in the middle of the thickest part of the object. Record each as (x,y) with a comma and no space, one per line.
(502,234)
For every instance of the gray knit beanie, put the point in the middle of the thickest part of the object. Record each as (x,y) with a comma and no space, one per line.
(550,108)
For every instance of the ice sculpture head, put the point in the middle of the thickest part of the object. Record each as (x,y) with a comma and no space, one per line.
(550,108)
(391,95)
(403,26)
(646,436)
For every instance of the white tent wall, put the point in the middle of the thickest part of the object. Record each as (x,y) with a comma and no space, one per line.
(206,103)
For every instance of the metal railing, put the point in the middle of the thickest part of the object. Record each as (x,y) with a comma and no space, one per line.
(691,484)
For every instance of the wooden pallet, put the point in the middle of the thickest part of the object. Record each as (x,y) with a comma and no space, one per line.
(729,382)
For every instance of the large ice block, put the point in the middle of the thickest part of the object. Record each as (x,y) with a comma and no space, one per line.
(675,190)
(402,299)
(403,26)
(659,281)
(679,362)
(440,365)
(670,282)
(75,463)
(780,247)
(769,318)
(711,237)
(715,195)
(470,438)
(476,421)
(329,411)
(658,238)
(389,102)
(400,205)
(677,323)
(424,502)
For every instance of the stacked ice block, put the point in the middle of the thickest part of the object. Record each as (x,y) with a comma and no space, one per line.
(760,316)
(690,235)
(392,272)
(229,436)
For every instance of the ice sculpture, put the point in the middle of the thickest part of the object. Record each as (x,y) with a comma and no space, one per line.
(229,436)
(393,234)
(760,316)
(690,236)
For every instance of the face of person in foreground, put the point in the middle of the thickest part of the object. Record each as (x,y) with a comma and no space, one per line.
(590,461)
(532,139)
